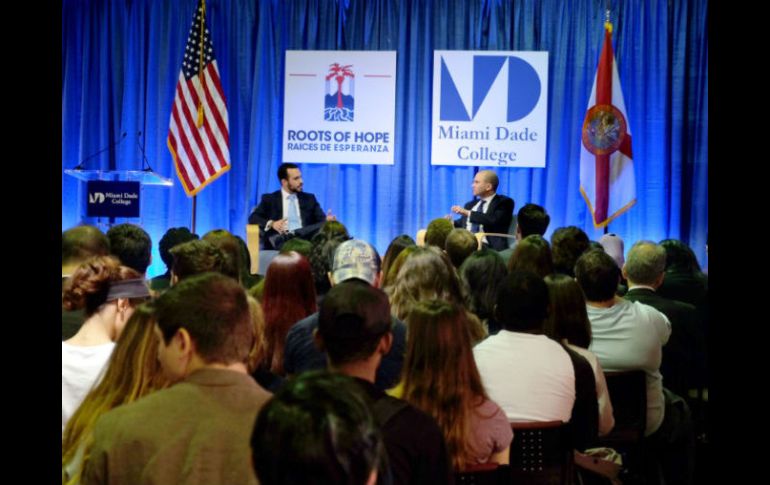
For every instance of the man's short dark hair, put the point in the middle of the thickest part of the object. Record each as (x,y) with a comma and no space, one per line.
(437,232)
(172,237)
(283,170)
(567,244)
(132,245)
(317,429)
(354,316)
(302,246)
(230,247)
(680,258)
(522,302)
(196,257)
(532,219)
(598,274)
(82,242)
(213,309)
(460,243)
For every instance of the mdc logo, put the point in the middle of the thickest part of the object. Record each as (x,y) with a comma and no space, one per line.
(96,198)
(521,93)
(339,106)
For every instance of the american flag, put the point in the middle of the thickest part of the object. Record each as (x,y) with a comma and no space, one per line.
(198,134)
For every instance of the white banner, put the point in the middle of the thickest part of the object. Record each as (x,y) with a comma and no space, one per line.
(490,108)
(339,107)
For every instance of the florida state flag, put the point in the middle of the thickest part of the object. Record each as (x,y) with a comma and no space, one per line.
(606,167)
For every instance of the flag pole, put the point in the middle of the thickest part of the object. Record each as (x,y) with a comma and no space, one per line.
(194,208)
(608,26)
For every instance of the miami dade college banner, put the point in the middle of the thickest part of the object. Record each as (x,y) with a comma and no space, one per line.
(490,108)
(339,107)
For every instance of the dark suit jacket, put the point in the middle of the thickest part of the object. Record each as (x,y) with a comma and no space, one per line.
(196,431)
(684,354)
(496,219)
(270,208)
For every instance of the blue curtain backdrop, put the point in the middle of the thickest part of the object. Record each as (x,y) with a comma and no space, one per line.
(121,59)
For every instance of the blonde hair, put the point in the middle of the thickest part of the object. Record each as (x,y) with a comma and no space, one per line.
(133,371)
(258,352)
(426,274)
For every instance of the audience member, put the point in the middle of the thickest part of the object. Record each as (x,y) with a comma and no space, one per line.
(288,298)
(131,245)
(398,244)
(172,237)
(437,232)
(317,429)
(195,257)
(133,371)
(197,430)
(533,253)
(355,260)
(460,243)
(231,249)
(108,292)
(440,378)
(482,273)
(567,244)
(568,323)
(529,375)
(630,336)
(78,244)
(354,329)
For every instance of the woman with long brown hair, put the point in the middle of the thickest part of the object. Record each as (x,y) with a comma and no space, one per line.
(568,323)
(133,371)
(440,377)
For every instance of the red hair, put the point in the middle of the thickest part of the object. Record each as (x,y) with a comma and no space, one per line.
(289,297)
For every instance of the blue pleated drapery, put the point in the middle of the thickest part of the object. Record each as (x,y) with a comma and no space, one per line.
(121,59)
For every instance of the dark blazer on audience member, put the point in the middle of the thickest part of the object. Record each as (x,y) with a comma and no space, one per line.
(683,362)
(270,208)
(496,219)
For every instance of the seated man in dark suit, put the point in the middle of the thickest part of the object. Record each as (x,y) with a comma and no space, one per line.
(491,212)
(288,212)
(683,355)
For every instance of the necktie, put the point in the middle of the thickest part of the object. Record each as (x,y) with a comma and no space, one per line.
(475,226)
(294,222)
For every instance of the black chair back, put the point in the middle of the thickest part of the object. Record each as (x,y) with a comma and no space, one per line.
(628,394)
(541,453)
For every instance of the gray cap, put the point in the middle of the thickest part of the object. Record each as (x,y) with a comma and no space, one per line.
(355,259)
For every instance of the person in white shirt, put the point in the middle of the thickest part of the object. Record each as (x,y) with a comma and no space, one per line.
(108,292)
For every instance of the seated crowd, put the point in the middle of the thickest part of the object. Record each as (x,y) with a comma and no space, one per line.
(338,366)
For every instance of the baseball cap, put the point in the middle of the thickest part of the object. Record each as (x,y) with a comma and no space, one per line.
(355,259)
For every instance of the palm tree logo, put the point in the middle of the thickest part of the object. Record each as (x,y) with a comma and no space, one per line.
(338,106)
